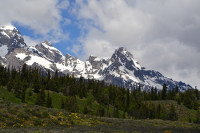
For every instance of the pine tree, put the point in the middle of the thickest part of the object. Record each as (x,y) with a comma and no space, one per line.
(164,92)
(71,104)
(198,116)
(24,73)
(152,111)
(55,82)
(42,95)
(53,86)
(5,77)
(187,100)
(17,87)
(36,81)
(196,91)
(90,100)
(24,88)
(100,111)
(152,93)
(116,112)
(38,100)
(48,75)
(85,109)
(41,98)
(62,104)
(49,101)
(9,85)
(127,99)
(158,111)
(176,89)
(172,113)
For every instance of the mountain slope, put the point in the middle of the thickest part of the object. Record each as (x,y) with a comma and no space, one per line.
(120,69)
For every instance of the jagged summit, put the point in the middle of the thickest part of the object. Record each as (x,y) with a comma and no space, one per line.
(47,43)
(124,57)
(120,69)
(10,38)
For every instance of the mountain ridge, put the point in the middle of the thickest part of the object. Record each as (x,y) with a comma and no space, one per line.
(120,69)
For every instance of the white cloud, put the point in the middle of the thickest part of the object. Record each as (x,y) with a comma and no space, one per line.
(76,49)
(31,42)
(63,4)
(67,21)
(173,59)
(162,35)
(41,16)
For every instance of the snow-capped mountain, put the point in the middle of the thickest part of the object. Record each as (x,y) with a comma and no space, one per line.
(121,69)
(10,38)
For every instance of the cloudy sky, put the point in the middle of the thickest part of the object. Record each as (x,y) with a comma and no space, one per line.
(163,35)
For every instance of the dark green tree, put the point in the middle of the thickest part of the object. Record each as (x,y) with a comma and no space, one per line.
(17,87)
(9,85)
(151,111)
(172,113)
(100,111)
(71,104)
(116,112)
(198,116)
(62,104)
(41,98)
(36,81)
(24,88)
(164,92)
(158,111)
(85,109)
(53,86)
(49,101)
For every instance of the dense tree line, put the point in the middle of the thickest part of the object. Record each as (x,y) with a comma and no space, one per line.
(129,102)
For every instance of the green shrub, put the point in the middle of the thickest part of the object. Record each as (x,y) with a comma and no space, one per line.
(12,111)
(23,116)
(37,122)
(2,119)
(45,114)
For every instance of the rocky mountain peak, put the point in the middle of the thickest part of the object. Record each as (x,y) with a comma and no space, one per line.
(49,52)
(93,58)
(121,69)
(8,27)
(122,57)
(10,38)
(122,53)
(10,31)
(47,43)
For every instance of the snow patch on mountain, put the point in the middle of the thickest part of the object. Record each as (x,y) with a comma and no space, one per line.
(21,56)
(80,65)
(88,66)
(39,60)
(61,67)
(48,46)
(98,76)
(5,34)
(128,75)
(152,82)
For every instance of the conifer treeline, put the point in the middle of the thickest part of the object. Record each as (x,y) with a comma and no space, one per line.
(106,95)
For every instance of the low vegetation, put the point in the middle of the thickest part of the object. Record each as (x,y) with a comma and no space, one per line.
(32,118)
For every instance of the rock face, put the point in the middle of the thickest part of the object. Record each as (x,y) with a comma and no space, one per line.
(121,69)
(10,38)
(50,52)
